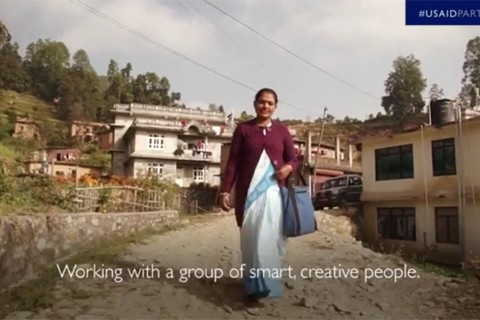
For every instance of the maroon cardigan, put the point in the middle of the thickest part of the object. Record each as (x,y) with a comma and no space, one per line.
(246,147)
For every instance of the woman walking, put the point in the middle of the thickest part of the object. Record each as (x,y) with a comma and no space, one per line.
(262,156)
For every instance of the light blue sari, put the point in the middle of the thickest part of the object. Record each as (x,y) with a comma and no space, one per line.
(262,239)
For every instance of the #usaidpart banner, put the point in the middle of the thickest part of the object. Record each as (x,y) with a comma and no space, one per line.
(442,12)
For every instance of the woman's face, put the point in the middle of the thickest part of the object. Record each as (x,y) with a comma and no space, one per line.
(265,106)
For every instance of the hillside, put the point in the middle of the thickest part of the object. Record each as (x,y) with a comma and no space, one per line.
(13,105)
(53,132)
(355,130)
(25,105)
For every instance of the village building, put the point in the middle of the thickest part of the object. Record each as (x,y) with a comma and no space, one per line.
(180,144)
(26,128)
(92,132)
(329,160)
(60,162)
(420,190)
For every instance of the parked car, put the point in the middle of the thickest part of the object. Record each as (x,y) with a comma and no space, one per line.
(339,191)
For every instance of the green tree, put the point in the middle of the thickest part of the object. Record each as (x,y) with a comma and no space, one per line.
(435,92)
(115,82)
(4,34)
(403,88)
(244,116)
(12,75)
(80,91)
(46,63)
(471,74)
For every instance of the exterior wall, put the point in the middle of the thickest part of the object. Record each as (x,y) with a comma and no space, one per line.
(326,152)
(185,174)
(63,154)
(140,144)
(63,169)
(215,146)
(131,153)
(422,163)
(119,148)
(155,111)
(25,128)
(425,191)
(425,242)
(105,140)
(181,173)
(140,168)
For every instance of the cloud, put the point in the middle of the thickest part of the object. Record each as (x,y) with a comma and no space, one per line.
(354,40)
(80,28)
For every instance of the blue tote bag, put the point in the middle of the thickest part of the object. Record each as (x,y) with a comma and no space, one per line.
(299,214)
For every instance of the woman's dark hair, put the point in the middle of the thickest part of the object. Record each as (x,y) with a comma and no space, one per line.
(266,90)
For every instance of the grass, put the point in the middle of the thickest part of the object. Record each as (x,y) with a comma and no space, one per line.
(7,152)
(25,105)
(38,293)
(443,270)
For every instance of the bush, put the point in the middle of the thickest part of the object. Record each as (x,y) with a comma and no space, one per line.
(31,191)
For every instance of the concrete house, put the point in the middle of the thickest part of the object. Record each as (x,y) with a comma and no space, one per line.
(26,128)
(180,144)
(421,190)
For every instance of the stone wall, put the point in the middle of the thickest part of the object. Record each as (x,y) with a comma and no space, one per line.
(30,243)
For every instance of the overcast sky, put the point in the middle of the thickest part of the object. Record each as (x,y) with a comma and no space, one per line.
(355,41)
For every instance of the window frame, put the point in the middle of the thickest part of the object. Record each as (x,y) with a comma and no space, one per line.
(448,215)
(401,152)
(439,168)
(155,168)
(156,141)
(195,174)
(392,228)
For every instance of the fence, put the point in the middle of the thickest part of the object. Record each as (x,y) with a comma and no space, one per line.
(120,199)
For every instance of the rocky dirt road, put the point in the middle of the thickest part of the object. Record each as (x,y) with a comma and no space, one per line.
(214,244)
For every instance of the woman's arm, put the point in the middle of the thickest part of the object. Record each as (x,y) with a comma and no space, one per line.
(231,170)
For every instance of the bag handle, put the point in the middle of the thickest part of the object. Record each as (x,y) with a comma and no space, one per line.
(300,175)
(292,197)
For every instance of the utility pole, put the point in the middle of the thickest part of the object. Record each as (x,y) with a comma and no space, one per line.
(308,158)
(318,152)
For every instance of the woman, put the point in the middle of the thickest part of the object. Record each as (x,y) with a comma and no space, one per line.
(262,156)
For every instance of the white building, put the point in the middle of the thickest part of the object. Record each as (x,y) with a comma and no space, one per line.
(180,144)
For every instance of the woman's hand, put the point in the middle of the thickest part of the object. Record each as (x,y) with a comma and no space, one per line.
(284,171)
(225,202)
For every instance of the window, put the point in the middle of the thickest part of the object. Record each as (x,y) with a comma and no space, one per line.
(354,181)
(155,169)
(394,163)
(198,174)
(443,157)
(342,182)
(396,223)
(155,141)
(446,225)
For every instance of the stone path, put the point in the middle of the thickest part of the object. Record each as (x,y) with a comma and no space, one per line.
(214,244)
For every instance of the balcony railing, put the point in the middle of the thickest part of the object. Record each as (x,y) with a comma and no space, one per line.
(187,155)
(158,122)
(149,107)
(179,125)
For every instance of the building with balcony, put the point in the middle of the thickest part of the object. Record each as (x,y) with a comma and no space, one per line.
(180,144)
(421,191)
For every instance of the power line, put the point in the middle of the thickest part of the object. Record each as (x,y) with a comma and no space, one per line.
(244,53)
(288,50)
(181,55)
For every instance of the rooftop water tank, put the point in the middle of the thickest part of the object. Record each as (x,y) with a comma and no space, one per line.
(442,112)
